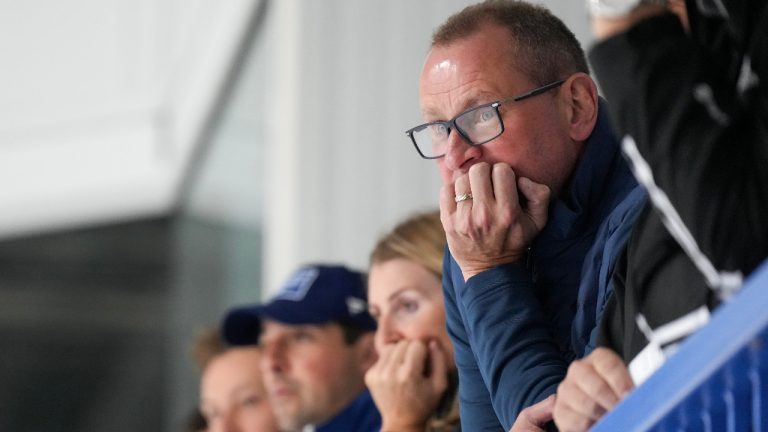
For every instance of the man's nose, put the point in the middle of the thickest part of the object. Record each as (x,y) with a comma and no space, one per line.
(459,154)
(273,356)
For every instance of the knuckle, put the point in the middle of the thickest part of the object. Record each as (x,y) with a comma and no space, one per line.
(462,180)
(608,361)
(501,167)
(371,378)
(576,368)
(596,410)
(569,421)
(506,216)
(602,389)
(445,220)
(566,422)
(462,226)
(581,424)
(600,353)
(479,168)
(402,376)
(481,219)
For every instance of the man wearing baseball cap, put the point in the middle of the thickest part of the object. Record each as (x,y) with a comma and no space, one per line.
(317,341)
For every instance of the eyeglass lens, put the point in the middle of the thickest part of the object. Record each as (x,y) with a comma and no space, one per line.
(478,126)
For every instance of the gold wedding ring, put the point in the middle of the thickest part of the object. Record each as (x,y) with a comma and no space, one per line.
(463,197)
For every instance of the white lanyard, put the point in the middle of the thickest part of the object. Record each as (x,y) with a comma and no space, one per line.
(724,283)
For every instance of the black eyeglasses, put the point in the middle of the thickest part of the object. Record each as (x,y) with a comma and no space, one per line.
(477,125)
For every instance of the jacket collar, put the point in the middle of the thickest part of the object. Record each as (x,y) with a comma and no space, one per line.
(360,415)
(572,212)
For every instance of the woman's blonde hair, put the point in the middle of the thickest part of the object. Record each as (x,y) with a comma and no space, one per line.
(420,239)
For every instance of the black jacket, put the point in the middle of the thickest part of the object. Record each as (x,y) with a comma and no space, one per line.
(699,116)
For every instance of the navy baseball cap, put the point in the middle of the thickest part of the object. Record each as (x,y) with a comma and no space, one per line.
(314,294)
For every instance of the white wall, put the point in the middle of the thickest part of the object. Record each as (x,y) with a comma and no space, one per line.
(102,102)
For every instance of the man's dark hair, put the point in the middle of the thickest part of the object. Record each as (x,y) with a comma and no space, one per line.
(352,333)
(542,47)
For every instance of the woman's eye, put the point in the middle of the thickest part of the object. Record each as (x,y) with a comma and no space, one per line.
(302,337)
(250,400)
(408,306)
(209,415)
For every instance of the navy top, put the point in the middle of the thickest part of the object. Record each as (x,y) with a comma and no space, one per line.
(360,415)
(515,327)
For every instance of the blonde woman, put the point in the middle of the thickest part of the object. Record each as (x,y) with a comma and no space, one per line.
(414,381)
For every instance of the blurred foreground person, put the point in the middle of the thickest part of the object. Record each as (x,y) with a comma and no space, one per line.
(414,382)
(317,342)
(691,97)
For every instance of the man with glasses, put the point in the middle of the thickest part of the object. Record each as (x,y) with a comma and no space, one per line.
(536,203)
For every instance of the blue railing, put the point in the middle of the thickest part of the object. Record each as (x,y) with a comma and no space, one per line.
(717,380)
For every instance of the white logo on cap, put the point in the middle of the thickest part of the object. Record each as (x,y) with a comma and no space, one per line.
(298,285)
(355,305)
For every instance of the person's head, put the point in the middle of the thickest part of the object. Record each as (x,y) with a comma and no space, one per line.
(232,394)
(317,342)
(498,51)
(404,284)
(207,344)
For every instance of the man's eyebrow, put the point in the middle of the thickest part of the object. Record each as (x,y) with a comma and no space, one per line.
(472,102)
(428,113)
(469,103)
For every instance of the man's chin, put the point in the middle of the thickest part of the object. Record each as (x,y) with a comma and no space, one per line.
(287,417)
(289,426)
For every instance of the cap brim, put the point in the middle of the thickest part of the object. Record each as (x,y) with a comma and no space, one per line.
(242,326)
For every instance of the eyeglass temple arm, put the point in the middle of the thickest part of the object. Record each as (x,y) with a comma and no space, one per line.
(538,90)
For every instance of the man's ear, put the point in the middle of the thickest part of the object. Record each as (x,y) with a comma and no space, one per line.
(366,351)
(580,97)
